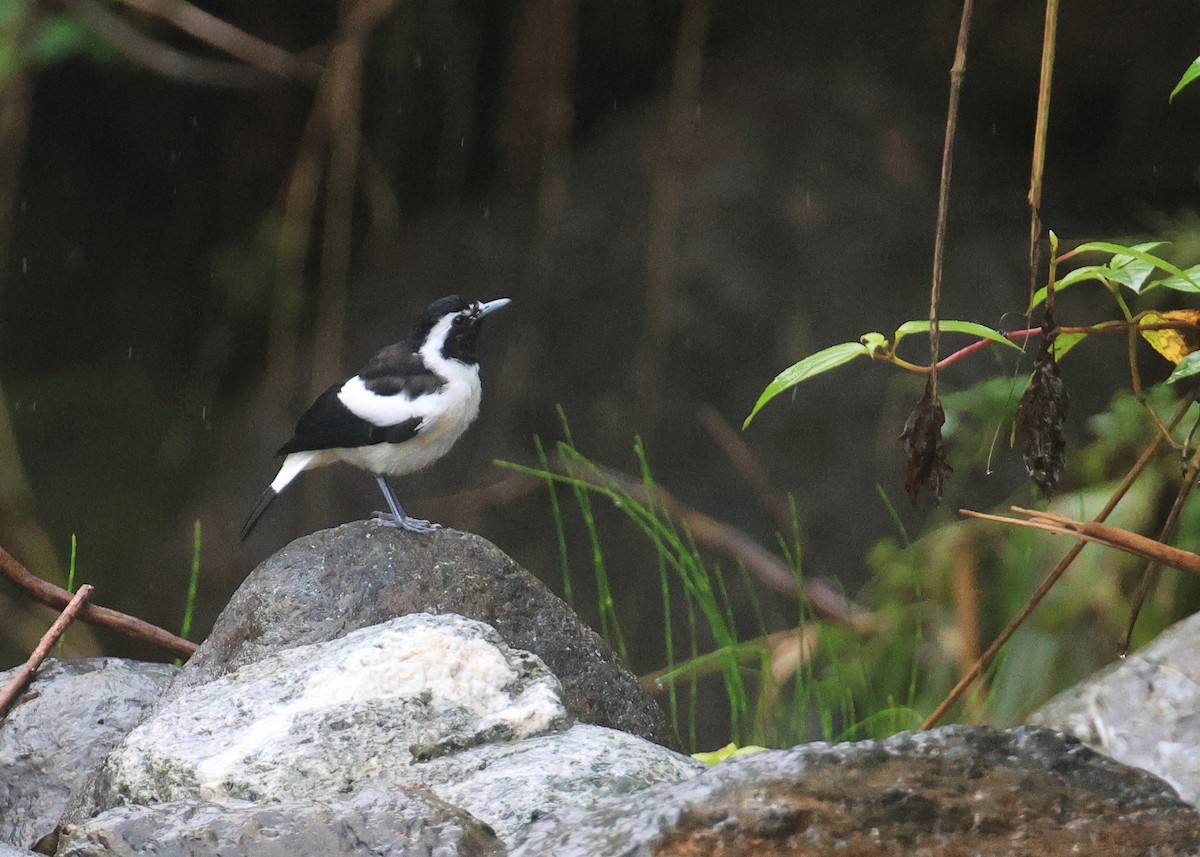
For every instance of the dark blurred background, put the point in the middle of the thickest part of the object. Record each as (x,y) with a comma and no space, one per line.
(198,233)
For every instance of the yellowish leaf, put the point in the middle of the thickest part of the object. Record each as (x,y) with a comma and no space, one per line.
(1176,344)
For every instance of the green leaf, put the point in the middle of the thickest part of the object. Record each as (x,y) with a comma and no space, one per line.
(1186,283)
(1192,72)
(1187,367)
(729,751)
(1079,275)
(1119,251)
(814,364)
(950,326)
(1064,342)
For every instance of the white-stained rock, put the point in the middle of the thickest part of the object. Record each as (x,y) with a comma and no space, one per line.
(322,719)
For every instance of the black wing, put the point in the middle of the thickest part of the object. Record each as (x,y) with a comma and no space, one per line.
(329,424)
(396,369)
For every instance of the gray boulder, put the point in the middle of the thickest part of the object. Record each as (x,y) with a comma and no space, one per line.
(69,718)
(10,851)
(401,823)
(1141,710)
(359,574)
(435,701)
(959,790)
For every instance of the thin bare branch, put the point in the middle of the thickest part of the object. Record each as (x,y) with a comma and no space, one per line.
(25,673)
(761,564)
(225,37)
(989,655)
(1039,148)
(163,59)
(53,596)
(1101,534)
(939,245)
(747,465)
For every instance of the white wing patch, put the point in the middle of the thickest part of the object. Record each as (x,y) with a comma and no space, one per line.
(382,410)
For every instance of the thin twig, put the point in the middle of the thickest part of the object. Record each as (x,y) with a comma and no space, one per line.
(668,168)
(25,673)
(748,466)
(225,37)
(989,655)
(764,566)
(1150,572)
(1039,147)
(1101,534)
(939,245)
(804,637)
(53,596)
(161,58)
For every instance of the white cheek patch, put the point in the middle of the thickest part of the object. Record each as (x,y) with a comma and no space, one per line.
(381,410)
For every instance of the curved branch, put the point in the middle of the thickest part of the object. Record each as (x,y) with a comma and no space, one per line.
(53,596)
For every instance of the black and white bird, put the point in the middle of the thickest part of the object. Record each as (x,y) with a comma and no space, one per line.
(401,412)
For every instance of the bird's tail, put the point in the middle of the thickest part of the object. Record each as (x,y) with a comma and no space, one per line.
(267,498)
(293,465)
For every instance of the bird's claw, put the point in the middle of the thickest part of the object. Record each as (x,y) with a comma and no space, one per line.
(413,525)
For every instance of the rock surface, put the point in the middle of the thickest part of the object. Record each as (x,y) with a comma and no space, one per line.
(333,581)
(11,851)
(1141,710)
(398,823)
(67,721)
(437,701)
(959,790)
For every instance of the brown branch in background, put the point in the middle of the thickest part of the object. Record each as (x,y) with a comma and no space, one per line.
(989,655)
(1101,534)
(161,58)
(748,466)
(225,37)
(295,231)
(667,161)
(25,673)
(939,244)
(792,647)
(1150,572)
(1039,150)
(58,598)
(966,610)
(761,564)
(341,91)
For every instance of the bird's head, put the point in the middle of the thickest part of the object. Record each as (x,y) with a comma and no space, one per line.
(451,325)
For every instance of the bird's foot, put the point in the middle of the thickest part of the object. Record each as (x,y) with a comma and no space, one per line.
(404,522)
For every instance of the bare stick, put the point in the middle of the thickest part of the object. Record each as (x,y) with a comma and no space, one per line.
(748,466)
(25,673)
(939,242)
(53,596)
(760,563)
(1101,534)
(159,57)
(225,37)
(989,655)
(1039,147)
(1150,572)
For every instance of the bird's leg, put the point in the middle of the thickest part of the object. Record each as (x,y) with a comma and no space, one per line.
(396,517)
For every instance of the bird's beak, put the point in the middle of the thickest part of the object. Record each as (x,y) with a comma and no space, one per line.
(491,306)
